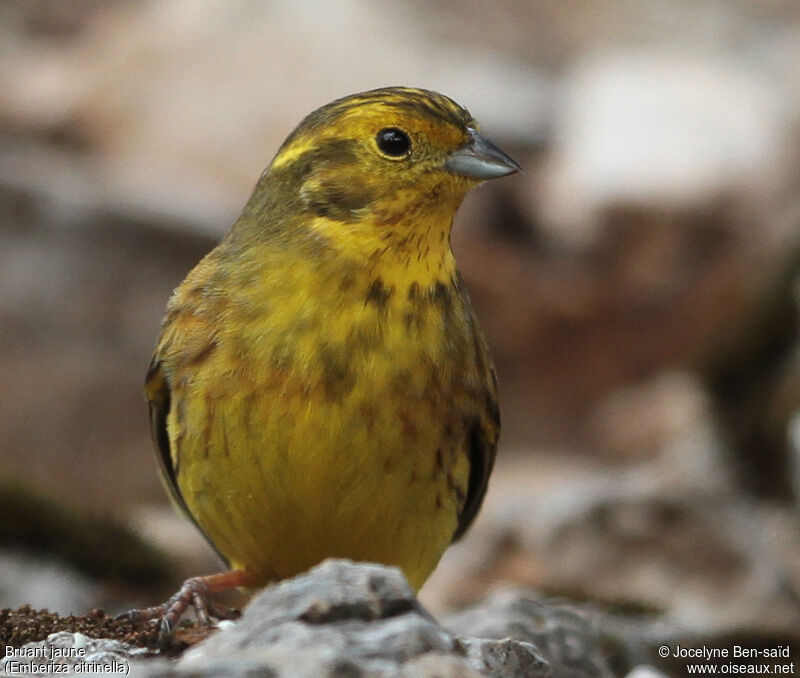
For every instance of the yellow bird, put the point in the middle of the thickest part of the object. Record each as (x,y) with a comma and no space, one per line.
(320,386)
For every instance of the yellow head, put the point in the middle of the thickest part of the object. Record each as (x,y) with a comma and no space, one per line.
(386,166)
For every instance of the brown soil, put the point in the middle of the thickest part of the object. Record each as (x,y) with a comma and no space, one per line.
(26,625)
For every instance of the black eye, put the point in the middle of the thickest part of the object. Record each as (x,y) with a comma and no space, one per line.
(394,142)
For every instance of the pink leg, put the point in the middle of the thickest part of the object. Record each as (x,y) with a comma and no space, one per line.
(194,592)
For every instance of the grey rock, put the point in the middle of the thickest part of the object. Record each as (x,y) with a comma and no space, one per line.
(339,619)
(363,620)
(667,536)
(507,658)
(347,619)
(71,652)
(336,591)
(439,665)
(568,638)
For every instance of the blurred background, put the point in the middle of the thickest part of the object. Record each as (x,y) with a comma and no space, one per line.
(638,283)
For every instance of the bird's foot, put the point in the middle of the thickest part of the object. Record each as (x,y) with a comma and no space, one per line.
(195,592)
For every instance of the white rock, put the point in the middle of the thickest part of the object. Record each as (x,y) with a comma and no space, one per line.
(662,129)
(645,671)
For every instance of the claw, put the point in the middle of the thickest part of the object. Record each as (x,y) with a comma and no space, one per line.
(145,614)
(201,606)
(195,592)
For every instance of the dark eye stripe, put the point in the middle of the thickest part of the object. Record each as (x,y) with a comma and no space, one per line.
(333,154)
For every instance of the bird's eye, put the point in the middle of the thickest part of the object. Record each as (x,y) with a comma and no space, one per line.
(394,142)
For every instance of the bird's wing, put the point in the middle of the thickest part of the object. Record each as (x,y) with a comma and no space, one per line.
(482,442)
(157,392)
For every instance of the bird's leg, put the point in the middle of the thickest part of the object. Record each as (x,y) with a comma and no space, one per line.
(194,592)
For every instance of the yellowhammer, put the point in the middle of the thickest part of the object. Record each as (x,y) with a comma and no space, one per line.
(320,386)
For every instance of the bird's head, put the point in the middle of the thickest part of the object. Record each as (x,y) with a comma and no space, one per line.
(383,165)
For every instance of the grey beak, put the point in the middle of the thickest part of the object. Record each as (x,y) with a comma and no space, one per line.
(479,158)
